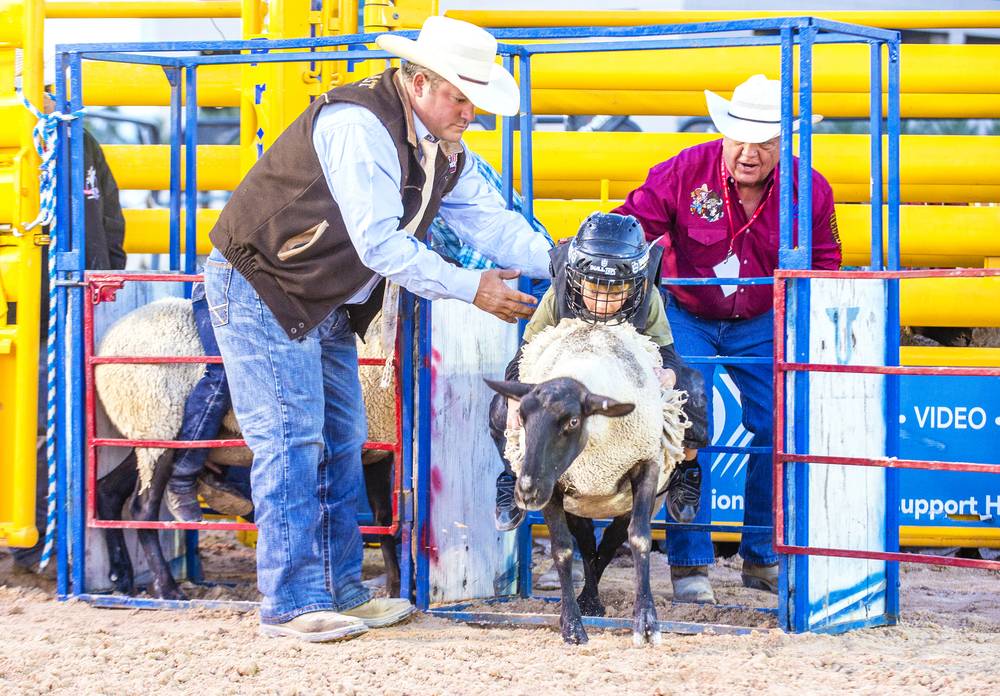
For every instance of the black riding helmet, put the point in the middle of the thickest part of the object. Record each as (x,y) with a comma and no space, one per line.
(607,258)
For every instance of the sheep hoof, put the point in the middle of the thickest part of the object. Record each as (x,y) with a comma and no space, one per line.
(645,628)
(591,606)
(573,632)
(122,583)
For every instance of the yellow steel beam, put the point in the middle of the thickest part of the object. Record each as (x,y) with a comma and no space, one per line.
(148,166)
(218,85)
(628,102)
(933,356)
(950,302)
(572,165)
(925,68)
(930,19)
(925,159)
(147,230)
(152,9)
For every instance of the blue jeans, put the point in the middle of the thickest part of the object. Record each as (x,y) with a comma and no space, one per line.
(731,337)
(300,407)
(206,405)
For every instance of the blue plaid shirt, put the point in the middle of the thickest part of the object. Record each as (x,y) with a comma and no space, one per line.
(444,240)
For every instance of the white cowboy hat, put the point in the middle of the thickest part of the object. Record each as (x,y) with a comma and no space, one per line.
(753,115)
(464,55)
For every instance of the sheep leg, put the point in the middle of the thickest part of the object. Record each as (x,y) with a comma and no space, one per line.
(378,486)
(614,536)
(146,507)
(644,476)
(589,600)
(570,620)
(113,489)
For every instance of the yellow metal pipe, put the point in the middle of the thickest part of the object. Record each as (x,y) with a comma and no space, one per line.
(148,232)
(628,102)
(147,167)
(929,19)
(925,68)
(928,356)
(951,302)
(925,159)
(218,85)
(571,165)
(153,9)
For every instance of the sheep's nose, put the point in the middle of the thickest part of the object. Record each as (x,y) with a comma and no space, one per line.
(525,484)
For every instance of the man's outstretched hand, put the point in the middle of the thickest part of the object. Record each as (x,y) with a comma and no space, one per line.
(495,297)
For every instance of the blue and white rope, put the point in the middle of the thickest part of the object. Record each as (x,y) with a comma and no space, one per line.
(45,135)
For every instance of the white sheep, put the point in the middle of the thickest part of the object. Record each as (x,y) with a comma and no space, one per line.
(600,439)
(146,401)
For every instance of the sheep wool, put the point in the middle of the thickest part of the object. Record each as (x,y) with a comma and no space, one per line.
(147,401)
(617,362)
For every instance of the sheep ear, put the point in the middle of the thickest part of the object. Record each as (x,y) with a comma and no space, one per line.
(603,406)
(512,390)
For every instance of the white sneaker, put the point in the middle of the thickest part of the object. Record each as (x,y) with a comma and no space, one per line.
(381,611)
(316,627)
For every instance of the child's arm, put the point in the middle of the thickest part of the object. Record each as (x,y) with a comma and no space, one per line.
(688,378)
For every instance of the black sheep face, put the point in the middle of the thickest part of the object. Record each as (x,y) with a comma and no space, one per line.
(554,416)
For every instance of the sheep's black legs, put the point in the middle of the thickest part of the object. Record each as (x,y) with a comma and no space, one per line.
(378,487)
(582,529)
(570,620)
(613,537)
(113,489)
(645,477)
(146,507)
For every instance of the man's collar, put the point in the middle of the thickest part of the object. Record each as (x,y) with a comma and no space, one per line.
(415,128)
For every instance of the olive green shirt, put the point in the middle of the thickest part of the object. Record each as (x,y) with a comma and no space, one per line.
(657,326)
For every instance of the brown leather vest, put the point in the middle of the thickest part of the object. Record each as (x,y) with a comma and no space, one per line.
(283,231)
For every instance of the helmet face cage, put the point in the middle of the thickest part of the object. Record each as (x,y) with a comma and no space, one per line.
(604,298)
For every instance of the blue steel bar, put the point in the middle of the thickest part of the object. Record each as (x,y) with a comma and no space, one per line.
(892,342)
(507,147)
(191,176)
(64,223)
(518,619)
(120,602)
(804,218)
(423,454)
(875,134)
(527,175)
(803,222)
(73,332)
(174,77)
(785,172)
(404,353)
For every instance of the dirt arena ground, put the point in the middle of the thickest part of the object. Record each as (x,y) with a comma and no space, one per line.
(947,643)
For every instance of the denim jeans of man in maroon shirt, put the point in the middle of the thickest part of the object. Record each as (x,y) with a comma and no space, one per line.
(683,205)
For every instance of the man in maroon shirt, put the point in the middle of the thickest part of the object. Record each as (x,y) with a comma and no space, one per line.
(715,210)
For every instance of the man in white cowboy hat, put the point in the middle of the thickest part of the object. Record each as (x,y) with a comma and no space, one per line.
(337,206)
(715,209)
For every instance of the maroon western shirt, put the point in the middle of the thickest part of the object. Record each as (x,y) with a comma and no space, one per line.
(682,203)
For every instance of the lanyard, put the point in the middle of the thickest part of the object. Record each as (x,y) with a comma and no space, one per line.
(729,213)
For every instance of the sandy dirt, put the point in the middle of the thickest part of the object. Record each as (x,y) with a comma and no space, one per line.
(947,643)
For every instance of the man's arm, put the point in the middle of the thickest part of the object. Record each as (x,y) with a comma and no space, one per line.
(477,214)
(652,204)
(826,237)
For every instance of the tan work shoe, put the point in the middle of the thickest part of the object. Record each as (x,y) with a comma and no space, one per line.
(691,584)
(316,627)
(382,611)
(760,577)
(222,496)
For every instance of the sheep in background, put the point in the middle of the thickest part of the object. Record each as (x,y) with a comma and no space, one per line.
(146,401)
(600,438)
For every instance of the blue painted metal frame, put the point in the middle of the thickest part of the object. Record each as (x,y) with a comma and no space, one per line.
(802,30)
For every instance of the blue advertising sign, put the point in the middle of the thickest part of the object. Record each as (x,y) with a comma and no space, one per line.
(941,419)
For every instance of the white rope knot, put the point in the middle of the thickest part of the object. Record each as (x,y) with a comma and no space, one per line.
(45,134)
